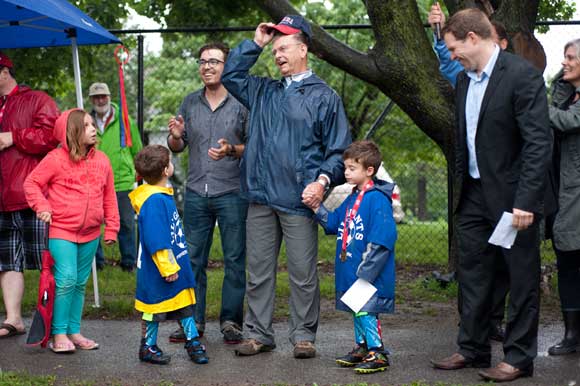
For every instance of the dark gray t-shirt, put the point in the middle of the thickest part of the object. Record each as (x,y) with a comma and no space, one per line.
(203,128)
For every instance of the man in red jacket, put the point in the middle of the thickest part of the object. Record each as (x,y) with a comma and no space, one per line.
(26,122)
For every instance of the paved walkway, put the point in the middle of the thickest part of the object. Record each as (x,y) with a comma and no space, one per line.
(412,338)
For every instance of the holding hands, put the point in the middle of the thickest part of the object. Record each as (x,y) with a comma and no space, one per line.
(264,34)
(312,195)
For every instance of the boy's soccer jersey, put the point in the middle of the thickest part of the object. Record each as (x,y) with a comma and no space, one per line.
(160,228)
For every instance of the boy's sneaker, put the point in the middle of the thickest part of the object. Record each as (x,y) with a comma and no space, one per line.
(196,351)
(374,361)
(354,357)
(232,333)
(153,354)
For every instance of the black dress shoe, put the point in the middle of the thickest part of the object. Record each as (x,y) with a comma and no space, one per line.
(565,346)
(458,361)
(504,372)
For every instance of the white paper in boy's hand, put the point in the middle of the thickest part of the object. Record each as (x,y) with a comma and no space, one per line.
(358,294)
(504,233)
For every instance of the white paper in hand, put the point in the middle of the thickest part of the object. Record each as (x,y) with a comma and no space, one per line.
(358,294)
(504,233)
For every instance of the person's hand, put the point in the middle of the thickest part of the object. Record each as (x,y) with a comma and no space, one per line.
(110,242)
(217,153)
(312,195)
(176,127)
(6,140)
(264,34)
(171,278)
(44,217)
(521,219)
(436,15)
(314,207)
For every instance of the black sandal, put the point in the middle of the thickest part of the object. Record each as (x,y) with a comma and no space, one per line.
(12,331)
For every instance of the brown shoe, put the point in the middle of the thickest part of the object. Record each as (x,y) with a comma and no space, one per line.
(504,372)
(458,361)
(304,349)
(252,347)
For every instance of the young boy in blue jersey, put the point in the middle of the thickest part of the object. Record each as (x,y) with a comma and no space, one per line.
(365,251)
(165,281)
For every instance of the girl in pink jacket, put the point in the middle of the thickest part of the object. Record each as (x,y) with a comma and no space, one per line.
(73,190)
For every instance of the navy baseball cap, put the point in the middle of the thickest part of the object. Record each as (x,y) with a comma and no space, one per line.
(292,24)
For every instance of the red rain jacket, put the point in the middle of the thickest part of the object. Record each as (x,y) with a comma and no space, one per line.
(30,116)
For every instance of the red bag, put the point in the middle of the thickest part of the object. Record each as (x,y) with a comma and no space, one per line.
(39,332)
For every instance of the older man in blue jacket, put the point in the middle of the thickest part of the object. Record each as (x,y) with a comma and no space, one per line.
(297,132)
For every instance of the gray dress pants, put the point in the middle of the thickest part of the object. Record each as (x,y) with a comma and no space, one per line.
(265,229)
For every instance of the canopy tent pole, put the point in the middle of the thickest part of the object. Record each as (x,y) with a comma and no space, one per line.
(80,105)
(76,67)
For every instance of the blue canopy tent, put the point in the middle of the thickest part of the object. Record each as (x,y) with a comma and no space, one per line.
(51,23)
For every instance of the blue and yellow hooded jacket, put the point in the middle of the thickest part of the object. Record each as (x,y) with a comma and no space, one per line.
(162,252)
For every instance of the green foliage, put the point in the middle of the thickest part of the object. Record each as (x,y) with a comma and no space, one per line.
(554,10)
(50,69)
(176,13)
(10,378)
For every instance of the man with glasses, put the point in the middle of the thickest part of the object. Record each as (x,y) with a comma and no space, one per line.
(297,133)
(107,116)
(212,124)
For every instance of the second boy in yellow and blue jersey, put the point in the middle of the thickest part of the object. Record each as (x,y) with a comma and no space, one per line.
(365,249)
(165,282)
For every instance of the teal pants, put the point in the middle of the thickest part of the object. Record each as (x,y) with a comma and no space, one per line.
(72,267)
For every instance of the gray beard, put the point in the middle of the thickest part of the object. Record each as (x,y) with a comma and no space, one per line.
(102,110)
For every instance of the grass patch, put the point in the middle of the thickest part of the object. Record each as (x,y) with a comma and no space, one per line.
(117,294)
(426,290)
(11,378)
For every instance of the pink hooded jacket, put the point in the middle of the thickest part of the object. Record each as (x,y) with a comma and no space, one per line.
(79,195)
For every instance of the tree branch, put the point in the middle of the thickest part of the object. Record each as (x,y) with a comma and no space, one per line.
(325,46)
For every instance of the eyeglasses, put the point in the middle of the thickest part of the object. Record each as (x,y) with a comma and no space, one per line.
(284,48)
(211,62)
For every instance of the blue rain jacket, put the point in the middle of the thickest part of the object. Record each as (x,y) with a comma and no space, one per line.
(294,133)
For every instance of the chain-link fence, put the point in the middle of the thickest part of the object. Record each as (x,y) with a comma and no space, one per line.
(422,208)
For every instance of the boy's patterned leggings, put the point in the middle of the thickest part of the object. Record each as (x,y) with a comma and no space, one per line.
(367,330)
(149,329)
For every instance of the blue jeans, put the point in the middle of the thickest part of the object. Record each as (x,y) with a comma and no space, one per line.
(199,219)
(126,233)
